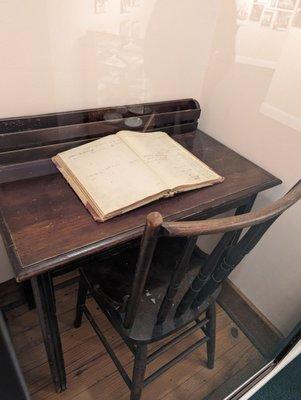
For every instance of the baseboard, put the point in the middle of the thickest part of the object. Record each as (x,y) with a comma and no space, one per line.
(260,331)
(255,309)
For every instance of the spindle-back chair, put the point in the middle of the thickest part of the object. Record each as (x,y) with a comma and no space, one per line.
(163,287)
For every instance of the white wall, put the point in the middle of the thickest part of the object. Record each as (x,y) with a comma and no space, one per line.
(60,55)
(232,97)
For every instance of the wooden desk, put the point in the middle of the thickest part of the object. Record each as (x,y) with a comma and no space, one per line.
(45,226)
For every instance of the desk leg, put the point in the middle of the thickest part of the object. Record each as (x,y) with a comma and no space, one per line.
(28,295)
(45,303)
(247,207)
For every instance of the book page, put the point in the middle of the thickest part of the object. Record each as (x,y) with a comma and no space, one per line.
(111,174)
(172,162)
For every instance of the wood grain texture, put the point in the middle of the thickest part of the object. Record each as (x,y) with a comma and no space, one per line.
(44,121)
(115,280)
(26,139)
(45,211)
(35,162)
(236,222)
(148,296)
(91,373)
(147,248)
(93,130)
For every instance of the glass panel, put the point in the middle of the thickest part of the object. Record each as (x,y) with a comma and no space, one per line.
(241,61)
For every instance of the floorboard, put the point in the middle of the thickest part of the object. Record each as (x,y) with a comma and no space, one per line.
(92,375)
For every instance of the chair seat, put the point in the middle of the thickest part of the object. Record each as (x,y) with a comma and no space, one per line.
(111,280)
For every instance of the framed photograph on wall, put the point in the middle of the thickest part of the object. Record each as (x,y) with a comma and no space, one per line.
(267,18)
(282,20)
(243,10)
(256,12)
(297,17)
(126,5)
(287,4)
(100,6)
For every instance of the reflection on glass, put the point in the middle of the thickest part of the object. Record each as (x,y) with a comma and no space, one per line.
(240,57)
(117,54)
(100,6)
(277,14)
(126,5)
(267,37)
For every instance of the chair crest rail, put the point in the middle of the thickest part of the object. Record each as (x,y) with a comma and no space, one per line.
(193,228)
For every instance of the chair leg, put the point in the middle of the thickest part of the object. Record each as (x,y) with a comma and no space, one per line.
(81,300)
(211,332)
(139,371)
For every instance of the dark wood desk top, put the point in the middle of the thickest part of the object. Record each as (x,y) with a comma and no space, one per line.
(45,225)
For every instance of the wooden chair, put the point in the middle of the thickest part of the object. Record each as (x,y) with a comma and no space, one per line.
(165,285)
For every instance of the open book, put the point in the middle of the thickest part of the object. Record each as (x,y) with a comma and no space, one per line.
(120,172)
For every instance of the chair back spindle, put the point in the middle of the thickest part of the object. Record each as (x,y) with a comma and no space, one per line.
(233,257)
(148,243)
(176,279)
(218,265)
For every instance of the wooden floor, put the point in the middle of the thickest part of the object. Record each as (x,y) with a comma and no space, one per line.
(92,375)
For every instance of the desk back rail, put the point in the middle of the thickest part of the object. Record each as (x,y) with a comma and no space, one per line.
(28,143)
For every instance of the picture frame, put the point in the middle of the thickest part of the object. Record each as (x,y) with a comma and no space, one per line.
(100,6)
(256,12)
(282,20)
(286,4)
(267,18)
(296,23)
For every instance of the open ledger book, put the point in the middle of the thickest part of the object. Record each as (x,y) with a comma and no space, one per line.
(120,172)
